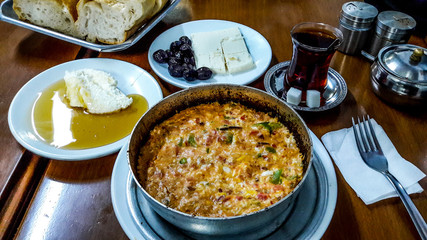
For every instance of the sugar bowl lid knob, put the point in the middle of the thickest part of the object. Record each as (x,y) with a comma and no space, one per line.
(417,55)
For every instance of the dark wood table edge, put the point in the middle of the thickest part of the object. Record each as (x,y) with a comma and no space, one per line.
(23,181)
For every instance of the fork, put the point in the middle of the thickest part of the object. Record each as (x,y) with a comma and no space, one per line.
(373,156)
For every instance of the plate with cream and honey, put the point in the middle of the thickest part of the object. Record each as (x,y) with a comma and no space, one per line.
(209,52)
(81,109)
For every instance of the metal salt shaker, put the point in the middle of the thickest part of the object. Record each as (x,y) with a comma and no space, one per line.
(356,22)
(392,28)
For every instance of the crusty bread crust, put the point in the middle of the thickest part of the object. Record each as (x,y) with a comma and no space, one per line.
(55,14)
(106,21)
(159,4)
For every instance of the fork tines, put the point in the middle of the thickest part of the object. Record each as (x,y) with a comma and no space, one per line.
(365,135)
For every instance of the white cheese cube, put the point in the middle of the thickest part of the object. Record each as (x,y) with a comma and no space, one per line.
(205,42)
(233,45)
(214,61)
(293,96)
(232,32)
(208,52)
(222,51)
(313,98)
(239,62)
(237,57)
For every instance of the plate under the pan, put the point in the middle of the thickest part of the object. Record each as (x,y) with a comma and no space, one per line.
(308,217)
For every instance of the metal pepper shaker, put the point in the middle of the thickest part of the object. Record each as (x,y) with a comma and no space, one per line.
(356,21)
(392,27)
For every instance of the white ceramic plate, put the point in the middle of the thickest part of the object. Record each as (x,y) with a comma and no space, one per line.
(131,80)
(257,45)
(143,230)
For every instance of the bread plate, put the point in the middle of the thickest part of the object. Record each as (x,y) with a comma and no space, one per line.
(258,47)
(8,15)
(131,80)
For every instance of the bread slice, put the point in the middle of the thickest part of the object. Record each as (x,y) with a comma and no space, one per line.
(59,15)
(159,4)
(113,21)
(94,90)
(106,21)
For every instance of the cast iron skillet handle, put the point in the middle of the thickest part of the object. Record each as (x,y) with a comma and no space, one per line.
(368,56)
(416,217)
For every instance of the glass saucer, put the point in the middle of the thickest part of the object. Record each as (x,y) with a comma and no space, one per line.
(335,92)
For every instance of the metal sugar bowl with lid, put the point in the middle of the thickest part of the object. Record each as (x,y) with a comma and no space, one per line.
(399,75)
(355,22)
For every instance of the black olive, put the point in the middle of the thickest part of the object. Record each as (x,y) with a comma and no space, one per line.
(178,55)
(175,70)
(160,56)
(189,61)
(181,63)
(187,65)
(174,61)
(189,74)
(186,49)
(190,54)
(185,39)
(184,65)
(204,73)
(175,46)
(192,61)
(169,52)
(188,68)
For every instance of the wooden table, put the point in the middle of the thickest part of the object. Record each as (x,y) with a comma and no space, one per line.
(50,199)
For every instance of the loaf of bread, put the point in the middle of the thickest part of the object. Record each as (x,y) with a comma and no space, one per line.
(94,90)
(57,15)
(105,21)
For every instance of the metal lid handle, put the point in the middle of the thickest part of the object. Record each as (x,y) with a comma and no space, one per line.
(417,55)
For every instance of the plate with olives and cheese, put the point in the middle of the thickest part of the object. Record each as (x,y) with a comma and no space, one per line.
(209,52)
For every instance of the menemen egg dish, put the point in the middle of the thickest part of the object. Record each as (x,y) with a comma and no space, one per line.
(220,160)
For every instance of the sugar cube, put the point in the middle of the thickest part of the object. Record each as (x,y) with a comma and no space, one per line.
(293,96)
(313,98)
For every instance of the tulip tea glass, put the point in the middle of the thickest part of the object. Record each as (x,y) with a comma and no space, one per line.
(314,45)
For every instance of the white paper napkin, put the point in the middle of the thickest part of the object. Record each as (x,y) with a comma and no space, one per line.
(370,185)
